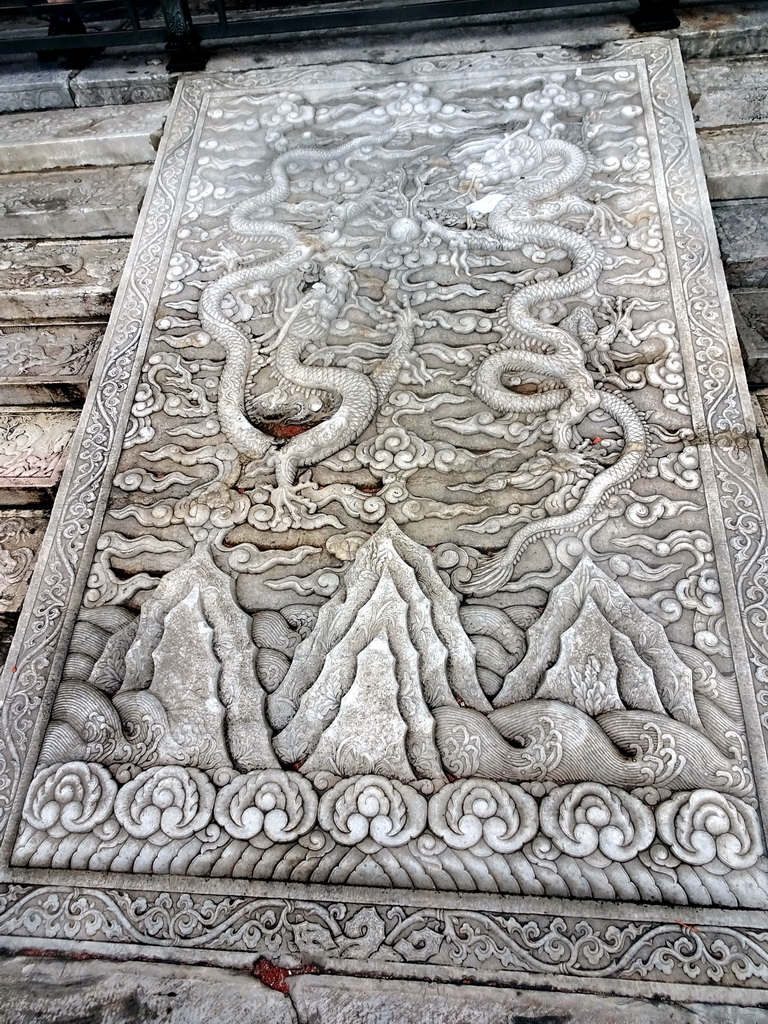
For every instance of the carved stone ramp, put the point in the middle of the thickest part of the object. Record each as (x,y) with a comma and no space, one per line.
(403,607)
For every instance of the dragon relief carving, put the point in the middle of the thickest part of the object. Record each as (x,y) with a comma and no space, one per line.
(451,328)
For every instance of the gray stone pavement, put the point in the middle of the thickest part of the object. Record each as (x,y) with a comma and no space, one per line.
(60,991)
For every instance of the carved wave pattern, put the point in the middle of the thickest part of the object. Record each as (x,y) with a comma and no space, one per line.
(470,941)
(583,839)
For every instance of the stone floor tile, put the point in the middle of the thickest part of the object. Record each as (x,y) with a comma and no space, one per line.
(61,992)
(329,1000)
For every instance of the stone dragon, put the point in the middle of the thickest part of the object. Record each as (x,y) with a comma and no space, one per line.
(522,218)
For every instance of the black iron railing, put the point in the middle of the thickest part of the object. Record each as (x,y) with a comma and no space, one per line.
(77,29)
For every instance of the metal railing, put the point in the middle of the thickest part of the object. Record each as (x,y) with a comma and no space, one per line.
(78,29)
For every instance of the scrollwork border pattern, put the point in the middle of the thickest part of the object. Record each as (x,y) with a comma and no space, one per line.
(330,934)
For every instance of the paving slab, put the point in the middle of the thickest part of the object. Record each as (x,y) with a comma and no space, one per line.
(403,601)
(320,1000)
(47,362)
(84,203)
(33,450)
(56,280)
(77,138)
(61,992)
(21,533)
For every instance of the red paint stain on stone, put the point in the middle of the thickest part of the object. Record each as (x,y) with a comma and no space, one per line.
(275,977)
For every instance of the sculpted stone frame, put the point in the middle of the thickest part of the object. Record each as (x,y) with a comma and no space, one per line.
(396,773)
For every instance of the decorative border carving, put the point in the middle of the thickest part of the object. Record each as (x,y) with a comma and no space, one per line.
(331,934)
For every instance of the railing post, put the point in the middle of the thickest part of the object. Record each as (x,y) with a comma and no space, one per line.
(183,40)
(654,16)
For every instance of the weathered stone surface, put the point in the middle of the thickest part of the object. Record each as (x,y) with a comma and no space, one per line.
(58,280)
(750,311)
(46,362)
(21,533)
(736,161)
(324,1000)
(27,86)
(77,138)
(728,92)
(65,992)
(707,1013)
(134,80)
(7,627)
(410,563)
(742,230)
(86,203)
(706,31)
(33,449)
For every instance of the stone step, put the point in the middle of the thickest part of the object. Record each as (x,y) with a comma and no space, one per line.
(706,32)
(28,85)
(47,362)
(110,80)
(59,280)
(733,91)
(33,450)
(21,533)
(750,311)
(742,229)
(736,161)
(7,628)
(79,138)
(87,203)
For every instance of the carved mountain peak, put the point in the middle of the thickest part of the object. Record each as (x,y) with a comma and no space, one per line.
(446,657)
(397,625)
(616,651)
(368,735)
(192,626)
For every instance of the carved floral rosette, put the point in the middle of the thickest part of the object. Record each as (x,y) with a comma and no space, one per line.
(417,474)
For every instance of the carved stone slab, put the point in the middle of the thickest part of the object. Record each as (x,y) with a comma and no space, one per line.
(57,280)
(21,532)
(33,448)
(403,610)
(46,362)
(75,138)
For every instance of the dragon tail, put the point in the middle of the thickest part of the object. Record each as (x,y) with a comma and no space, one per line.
(497,570)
